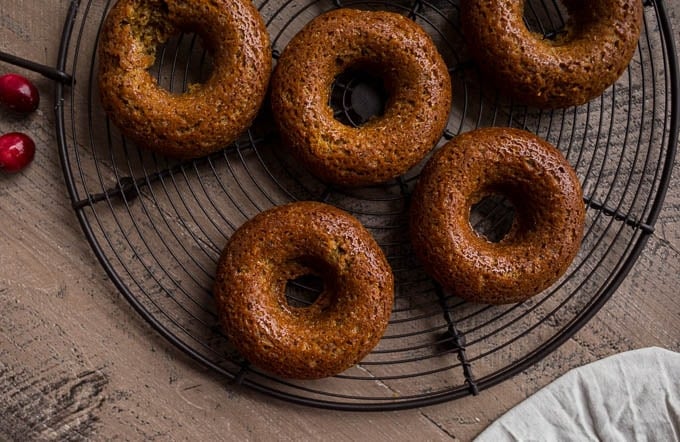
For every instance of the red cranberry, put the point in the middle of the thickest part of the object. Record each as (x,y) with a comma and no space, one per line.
(18,93)
(16,151)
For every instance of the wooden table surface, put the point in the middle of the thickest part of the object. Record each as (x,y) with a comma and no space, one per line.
(76,362)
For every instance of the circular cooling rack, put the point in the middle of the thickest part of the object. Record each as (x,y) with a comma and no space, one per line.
(158,225)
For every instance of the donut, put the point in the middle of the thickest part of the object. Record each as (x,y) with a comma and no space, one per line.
(546,231)
(386,44)
(590,54)
(278,245)
(209,115)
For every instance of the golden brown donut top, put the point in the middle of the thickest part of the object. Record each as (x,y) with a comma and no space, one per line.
(598,41)
(209,115)
(546,231)
(278,245)
(386,44)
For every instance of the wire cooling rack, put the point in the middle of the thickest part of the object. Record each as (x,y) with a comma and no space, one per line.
(158,226)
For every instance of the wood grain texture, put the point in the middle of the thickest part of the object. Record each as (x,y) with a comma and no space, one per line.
(77,363)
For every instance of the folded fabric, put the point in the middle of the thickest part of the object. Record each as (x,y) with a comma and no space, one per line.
(632,396)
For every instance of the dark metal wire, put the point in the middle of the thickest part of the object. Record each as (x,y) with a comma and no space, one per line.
(157,226)
(46,71)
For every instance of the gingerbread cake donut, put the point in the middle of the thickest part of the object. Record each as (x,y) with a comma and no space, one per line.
(415,77)
(546,231)
(209,115)
(591,53)
(344,323)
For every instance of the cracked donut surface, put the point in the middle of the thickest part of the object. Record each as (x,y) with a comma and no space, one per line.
(279,245)
(209,115)
(546,231)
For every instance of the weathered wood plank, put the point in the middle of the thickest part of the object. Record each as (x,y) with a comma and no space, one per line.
(77,363)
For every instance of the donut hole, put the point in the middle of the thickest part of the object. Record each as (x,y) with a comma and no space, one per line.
(304,290)
(178,57)
(181,62)
(357,96)
(545,18)
(492,216)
